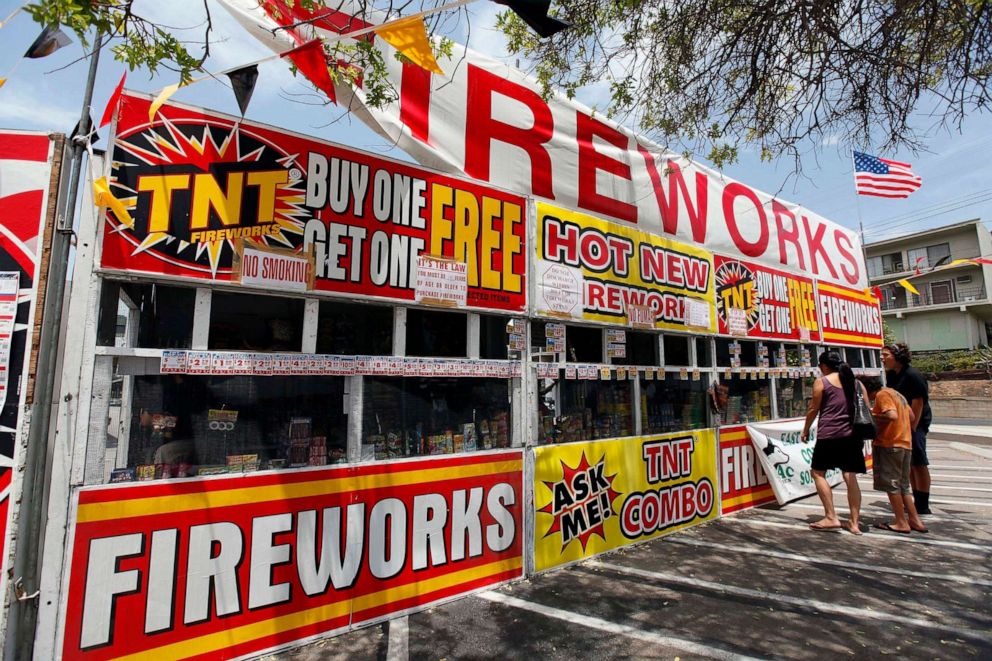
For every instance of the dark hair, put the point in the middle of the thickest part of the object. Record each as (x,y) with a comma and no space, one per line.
(871,383)
(900,351)
(833,360)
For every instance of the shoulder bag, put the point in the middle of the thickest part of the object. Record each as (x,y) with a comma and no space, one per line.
(864,424)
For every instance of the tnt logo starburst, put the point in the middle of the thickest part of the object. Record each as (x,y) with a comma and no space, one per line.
(581,502)
(736,288)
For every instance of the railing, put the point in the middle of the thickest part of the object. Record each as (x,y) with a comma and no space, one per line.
(926,298)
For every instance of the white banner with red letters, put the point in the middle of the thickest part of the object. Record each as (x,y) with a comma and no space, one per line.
(489,121)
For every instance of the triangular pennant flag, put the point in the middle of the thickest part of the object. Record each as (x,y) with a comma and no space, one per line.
(162,97)
(311,61)
(115,98)
(409,37)
(983,260)
(535,14)
(877,291)
(3,81)
(243,83)
(50,40)
(104,198)
(909,286)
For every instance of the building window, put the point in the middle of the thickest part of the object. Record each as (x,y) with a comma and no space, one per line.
(884,264)
(924,258)
(492,337)
(676,350)
(941,292)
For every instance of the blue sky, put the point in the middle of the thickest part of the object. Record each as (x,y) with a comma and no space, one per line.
(46,95)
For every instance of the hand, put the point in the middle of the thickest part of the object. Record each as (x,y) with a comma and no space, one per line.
(804,437)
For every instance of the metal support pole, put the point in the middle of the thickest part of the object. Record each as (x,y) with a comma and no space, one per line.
(23,614)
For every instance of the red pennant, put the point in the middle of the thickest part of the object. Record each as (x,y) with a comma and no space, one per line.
(877,291)
(115,98)
(984,260)
(311,61)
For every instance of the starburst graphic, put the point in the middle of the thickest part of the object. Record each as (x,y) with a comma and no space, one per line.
(736,287)
(184,154)
(581,502)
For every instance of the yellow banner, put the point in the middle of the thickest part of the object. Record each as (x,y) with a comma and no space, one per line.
(597,496)
(615,266)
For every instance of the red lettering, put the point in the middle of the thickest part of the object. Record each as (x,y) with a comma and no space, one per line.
(560,238)
(592,161)
(674,308)
(415,101)
(481,129)
(734,190)
(790,236)
(815,243)
(854,274)
(594,250)
(669,206)
(595,293)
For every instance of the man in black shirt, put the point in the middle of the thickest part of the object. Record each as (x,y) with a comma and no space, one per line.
(908,380)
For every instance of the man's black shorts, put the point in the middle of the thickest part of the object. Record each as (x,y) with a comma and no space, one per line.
(920,449)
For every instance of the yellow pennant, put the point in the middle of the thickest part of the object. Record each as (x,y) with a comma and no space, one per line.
(3,81)
(961,261)
(162,97)
(909,286)
(409,36)
(104,198)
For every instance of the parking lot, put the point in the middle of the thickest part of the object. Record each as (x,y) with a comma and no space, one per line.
(758,584)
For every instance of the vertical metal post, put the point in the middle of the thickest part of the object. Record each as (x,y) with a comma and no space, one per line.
(23,614)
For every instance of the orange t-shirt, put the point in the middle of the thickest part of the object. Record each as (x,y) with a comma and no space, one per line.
(892,433)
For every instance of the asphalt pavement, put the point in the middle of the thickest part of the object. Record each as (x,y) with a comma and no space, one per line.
(757,584)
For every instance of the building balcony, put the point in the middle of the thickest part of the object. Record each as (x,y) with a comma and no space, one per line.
(961,295)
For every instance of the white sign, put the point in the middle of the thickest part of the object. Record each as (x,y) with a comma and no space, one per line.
(786,459)
(559,288)
(737,321)
(173,362)
(441,281)
(272,270)
(697,313)
(617,336)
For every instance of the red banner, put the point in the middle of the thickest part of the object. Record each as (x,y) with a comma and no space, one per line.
(195,183)
(773,304)
(849,316)
(743,482)
(215,568)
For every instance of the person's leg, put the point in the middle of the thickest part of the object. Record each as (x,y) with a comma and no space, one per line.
(919,474)
(829,519)
(898,504)
(853,502)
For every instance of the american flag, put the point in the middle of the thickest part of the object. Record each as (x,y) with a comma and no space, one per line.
(883,177)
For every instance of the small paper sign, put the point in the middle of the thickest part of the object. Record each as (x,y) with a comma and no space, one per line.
(614,350)
(697,313)
(737,321)
(571,373)
(554,330)
(618,336)
(621,373)
(684,373)
(696,375)
(604,373)
(441,281)
(173,362)
(640,316)
(198,362)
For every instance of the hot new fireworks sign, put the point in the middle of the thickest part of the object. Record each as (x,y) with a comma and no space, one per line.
(197,187)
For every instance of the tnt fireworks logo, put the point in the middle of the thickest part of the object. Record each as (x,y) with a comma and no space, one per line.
(192,187)
(581,502)
(736,288)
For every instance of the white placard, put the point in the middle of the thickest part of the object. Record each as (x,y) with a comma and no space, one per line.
(616,336)
(559,289)
(441,281)
(640,316)
(198,362)
(697,313)
(737,321)
(272,270)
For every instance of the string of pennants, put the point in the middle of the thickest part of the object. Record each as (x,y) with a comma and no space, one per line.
(918,272)
(51,39)
(408,35)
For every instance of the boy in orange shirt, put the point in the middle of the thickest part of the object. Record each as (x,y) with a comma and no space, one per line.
(891,451)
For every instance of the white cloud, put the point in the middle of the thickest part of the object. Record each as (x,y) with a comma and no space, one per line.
(21,109)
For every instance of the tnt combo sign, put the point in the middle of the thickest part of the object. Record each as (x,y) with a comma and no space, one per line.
(594,497)
(223,567)
(198,185)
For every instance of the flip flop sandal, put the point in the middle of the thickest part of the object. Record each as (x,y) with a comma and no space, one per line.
(888,528)
(922,531)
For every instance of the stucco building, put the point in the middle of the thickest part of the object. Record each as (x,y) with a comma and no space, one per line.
(953,309)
